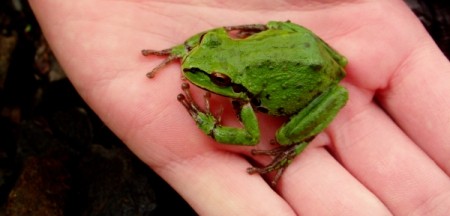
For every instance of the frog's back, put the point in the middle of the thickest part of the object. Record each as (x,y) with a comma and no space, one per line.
(287,72)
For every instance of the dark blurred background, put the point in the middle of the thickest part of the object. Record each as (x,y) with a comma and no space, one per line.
(58,158)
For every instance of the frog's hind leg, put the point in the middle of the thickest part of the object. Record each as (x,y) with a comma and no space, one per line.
(296,134)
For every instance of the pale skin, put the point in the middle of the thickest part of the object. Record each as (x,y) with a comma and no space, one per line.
(387,152)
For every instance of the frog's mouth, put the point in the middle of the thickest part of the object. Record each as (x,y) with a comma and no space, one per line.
(216,84)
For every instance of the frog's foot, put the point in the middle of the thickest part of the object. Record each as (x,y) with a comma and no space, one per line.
(166,52)
(244,31)
(283,157)
(189,103)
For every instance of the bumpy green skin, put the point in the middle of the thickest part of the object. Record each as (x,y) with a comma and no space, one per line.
(287,70)
(282,69)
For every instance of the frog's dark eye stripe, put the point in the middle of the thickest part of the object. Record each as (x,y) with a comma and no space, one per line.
(193,70)
(238,88)
(255,102)
(220,79)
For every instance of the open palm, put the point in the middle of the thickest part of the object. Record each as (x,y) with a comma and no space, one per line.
(388,150)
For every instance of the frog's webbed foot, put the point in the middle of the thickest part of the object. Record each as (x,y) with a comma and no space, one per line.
(284,155)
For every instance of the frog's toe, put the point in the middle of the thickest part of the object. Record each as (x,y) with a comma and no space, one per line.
(272,152)
(187,101)
(283,157)
(267,169)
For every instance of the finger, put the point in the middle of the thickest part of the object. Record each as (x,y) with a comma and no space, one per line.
(215,183)
(409,74)
(387,162)
(418,99)
(316,184)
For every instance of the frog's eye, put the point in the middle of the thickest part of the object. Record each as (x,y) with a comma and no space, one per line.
(220,79)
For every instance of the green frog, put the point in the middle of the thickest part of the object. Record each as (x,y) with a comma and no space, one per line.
(278,68)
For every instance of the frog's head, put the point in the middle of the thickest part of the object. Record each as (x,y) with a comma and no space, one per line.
(206,65)
(215,82)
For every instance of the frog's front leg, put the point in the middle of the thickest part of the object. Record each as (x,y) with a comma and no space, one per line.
(296,134)
(211,125)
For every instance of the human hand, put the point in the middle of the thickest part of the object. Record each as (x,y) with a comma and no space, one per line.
(386,152)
